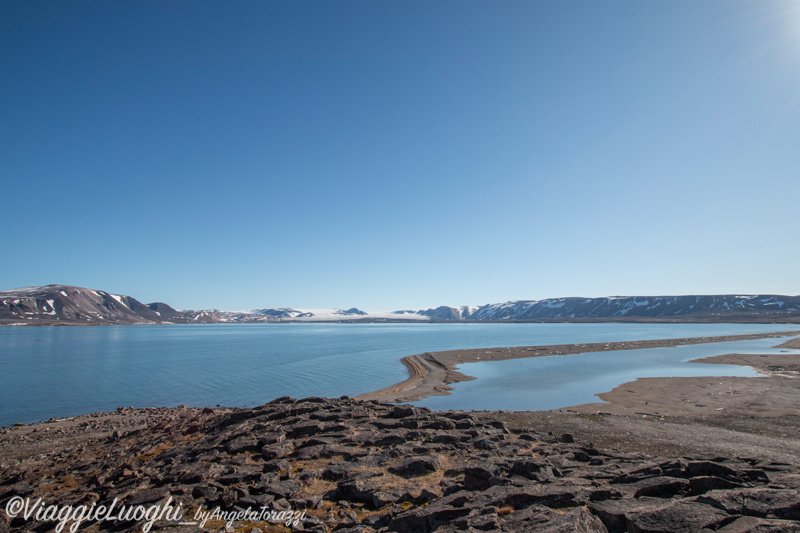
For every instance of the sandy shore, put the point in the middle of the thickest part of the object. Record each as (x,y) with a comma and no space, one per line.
(430,373)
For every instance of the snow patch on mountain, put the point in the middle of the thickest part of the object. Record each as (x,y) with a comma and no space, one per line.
(312,315)
(53,304)
(718,306)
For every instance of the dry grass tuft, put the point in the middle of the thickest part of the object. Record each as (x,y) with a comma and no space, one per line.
(150,454)
(69,482)
(315,486)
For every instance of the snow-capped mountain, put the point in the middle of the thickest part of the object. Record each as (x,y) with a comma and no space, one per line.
(286,312)
(701,307)
(462,312)
(62,304)
(65,304)
(76,305)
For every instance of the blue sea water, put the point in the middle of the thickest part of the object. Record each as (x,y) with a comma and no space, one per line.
(65,371)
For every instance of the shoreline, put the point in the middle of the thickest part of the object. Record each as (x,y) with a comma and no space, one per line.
(667,454)
(786,320)
(431,373)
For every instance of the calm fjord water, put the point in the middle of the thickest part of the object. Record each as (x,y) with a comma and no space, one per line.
(66,371)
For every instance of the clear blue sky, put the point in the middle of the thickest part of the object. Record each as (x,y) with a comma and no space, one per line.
(391,155)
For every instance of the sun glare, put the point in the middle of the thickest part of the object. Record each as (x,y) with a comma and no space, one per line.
(789,13)
(778,23)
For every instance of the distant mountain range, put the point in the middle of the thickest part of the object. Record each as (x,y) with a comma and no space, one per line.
(63,304)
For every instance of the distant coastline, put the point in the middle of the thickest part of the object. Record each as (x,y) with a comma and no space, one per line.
(69,305)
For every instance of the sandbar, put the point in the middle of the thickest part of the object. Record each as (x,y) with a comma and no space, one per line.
(678,416)
(431,373)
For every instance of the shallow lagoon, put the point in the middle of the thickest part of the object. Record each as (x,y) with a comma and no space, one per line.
(63,371)
(564,380)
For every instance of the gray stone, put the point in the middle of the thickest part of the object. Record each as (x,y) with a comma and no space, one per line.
(678,517)
(242,444)
(147,496)
(416,466)
(660,487)
(749,524)
(281,489)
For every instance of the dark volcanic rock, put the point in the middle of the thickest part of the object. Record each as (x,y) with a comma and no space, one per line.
(147,496)
(416,466)
(677,517)
(761,502)
(364,466)
(748,524)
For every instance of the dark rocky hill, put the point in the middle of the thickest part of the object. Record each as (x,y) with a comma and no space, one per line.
(350,466)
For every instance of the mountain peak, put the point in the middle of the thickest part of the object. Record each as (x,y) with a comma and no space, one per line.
(67,304)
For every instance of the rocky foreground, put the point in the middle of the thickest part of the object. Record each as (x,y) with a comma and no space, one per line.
(349,465)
